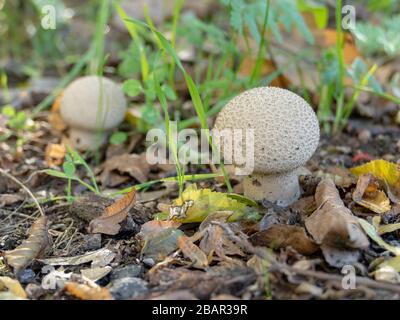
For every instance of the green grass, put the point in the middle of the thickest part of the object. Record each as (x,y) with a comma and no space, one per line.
(193,90)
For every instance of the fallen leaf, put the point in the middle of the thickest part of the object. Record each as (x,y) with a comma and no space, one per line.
(150,228)
(109,221)
(369,196)
(283,235)
(386,171)
(31,248)
(332,225)
(85,292)
(350,51)
(339,257)
(98,258)
(8,199)
(13,286)
(96,273)
(387,274)
(195,204)
(54,154)
(387,228)
(134,165)
(267,67)
(190,250)
(161,244)
(373,234)
(342,177)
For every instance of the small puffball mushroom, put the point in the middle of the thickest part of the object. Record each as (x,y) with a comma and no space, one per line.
(286,134)
(91,106)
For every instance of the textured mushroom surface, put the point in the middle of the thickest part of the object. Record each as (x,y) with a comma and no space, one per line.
(93,103)
(286,130)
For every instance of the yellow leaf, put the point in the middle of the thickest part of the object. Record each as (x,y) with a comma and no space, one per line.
(382,169)
(13,286)
(194,205)
(373,234)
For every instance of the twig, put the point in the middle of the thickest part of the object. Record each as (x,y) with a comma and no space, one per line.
(25,188)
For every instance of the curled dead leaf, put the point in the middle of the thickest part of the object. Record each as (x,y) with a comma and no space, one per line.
(31,248)
(334,227)
(194,253)
(86,292)
(368,195)
(109,221)
(282,235)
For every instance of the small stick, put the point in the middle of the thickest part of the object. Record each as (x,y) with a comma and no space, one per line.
(25,189)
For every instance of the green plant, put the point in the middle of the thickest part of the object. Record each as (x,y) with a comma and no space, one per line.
(73,160)
(379,39)
(193,90)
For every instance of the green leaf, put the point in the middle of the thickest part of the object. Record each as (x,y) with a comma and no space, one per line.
(118,138)
(56,173)
(8,111)
(69,168)
(132,87)
(169,92)
(320,12)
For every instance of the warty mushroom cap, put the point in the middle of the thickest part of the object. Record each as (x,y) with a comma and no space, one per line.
(286,129)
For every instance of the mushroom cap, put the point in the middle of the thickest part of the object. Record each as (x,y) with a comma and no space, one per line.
(93,103)
(286,129)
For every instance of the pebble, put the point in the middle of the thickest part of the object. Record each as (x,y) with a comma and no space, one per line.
(131,271)
(128,288)
(364,136)
(34,291)
(26,276)
(129,226)
(92,241)
(149,262)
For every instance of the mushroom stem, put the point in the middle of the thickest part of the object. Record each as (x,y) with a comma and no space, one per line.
(280,188)
(85,139)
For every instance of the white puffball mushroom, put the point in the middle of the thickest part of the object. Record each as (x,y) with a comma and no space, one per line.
(91,106)
(286,134)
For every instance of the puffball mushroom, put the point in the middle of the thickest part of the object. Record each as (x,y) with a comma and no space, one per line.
(286,134)
(91,106)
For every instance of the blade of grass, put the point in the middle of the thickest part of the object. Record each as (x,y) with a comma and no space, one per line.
(341,66)
(193,91)
(257,67)
(171,140)
(144,65)
(178,5)
(189,177)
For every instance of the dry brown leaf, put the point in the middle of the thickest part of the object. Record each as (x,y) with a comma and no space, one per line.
(85,292)
(151,227)
(13,286)
(7,199)
(193,252)
(267,67)
(55,154)
(109,221)
(282,235)
(328,39)
(31,248)
(368,195)
(114,168)
(332,224)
